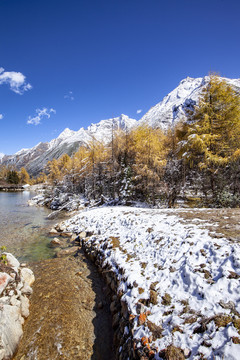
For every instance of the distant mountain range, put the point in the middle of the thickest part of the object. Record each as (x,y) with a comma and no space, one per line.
(68,142)
(167,112)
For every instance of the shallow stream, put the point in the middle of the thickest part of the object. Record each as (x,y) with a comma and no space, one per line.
(24,229)
(69,314)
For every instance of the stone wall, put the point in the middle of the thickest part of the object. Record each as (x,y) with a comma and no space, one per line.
(122,320)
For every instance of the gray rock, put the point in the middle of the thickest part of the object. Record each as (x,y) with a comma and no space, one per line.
(12,261)
(24,306)
(229,305)
(10,330)
(27,276)
(4,280)
(186,353)
(140,308)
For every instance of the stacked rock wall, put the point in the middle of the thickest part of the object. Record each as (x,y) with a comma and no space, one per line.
(122,320)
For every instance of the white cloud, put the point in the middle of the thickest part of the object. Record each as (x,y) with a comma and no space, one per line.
(139,111)
(16,81)
(1,116)
(69,96)
(41,113)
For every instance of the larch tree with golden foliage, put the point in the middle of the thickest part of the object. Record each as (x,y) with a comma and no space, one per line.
(24,176)
(150,160)
(210,139)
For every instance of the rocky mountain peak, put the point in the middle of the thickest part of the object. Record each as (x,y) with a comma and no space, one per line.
(164,114)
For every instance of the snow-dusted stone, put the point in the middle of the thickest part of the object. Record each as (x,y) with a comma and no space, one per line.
(186,352)
(28,276)
(10,330)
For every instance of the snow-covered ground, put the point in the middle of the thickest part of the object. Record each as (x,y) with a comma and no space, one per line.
(187,280)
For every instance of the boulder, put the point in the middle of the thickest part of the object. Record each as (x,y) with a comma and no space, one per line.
(12,261)
(55,242)
(27,276)
(24,306)
(10,330)
(4,280)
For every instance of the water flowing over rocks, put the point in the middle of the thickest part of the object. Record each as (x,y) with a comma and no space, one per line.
(15,288)
(144,256)
(70,317)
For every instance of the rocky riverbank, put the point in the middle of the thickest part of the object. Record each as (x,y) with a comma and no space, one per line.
(15,288)
(174,284)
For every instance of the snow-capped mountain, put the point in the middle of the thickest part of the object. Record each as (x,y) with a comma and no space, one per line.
(68,142)
(170,110)
(173,107)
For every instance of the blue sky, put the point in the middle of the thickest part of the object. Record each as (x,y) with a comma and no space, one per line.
(70,63)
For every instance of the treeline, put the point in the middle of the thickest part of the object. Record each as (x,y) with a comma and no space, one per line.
(10,175)
(130,167)
(199,158)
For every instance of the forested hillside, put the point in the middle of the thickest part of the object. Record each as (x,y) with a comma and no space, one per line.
(197,159)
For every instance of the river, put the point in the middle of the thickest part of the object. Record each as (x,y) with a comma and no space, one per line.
(24,229)
(65,319)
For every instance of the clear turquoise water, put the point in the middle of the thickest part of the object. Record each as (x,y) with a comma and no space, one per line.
(23,228)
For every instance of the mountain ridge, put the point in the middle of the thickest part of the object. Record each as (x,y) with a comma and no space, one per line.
(164,114)
(68,141)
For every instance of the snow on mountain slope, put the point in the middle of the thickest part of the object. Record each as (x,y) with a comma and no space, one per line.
(68,142)
(170,110)
(102,131)
(173,107)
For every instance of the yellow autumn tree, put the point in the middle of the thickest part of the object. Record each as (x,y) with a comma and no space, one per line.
(24,176)
(54,173)
(210,139)
(213,130)
(149,146)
